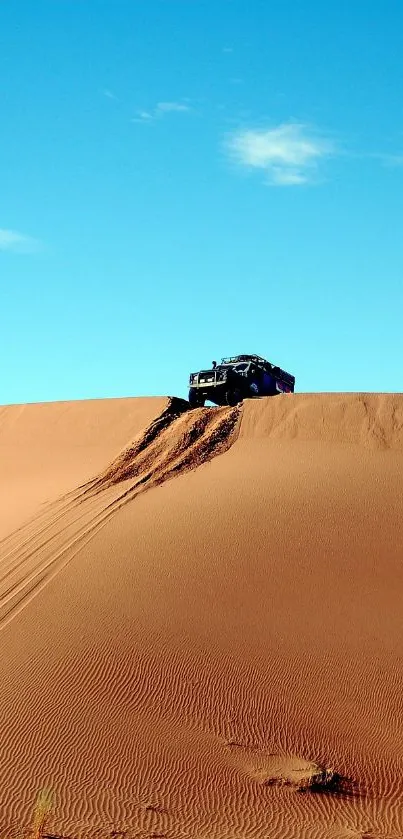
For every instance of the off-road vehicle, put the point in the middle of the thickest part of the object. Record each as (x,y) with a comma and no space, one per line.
(237,378)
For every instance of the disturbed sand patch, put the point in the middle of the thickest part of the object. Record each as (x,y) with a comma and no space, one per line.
(177,441)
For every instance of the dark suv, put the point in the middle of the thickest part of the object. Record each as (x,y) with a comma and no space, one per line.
(237,378)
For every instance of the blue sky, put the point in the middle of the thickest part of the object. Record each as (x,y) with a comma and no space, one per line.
(185,179)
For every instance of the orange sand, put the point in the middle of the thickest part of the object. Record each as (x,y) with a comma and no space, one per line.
(177,641)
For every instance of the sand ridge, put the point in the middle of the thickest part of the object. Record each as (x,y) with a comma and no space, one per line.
(373,420)
(229,628)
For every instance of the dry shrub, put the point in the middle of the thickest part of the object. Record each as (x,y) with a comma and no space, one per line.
(42,809)
(318,779)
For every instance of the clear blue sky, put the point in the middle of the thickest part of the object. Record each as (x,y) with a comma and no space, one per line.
(185,179)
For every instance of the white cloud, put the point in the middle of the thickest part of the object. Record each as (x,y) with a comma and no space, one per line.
(171,107)
(288,154)
(160,110)
(283,177)
(11,240)
(110,95)
(145,115)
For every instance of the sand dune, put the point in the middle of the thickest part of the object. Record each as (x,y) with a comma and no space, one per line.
(207,607)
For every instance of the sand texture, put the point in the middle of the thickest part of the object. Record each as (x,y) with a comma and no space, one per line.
(200,613)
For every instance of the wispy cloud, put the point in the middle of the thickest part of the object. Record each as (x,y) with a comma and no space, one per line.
(143,116)
(110,95)
(171,107)
(287,177)
(161,110)
(12,240)
(288,154)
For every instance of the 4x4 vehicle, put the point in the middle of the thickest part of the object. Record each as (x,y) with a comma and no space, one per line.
(237,378)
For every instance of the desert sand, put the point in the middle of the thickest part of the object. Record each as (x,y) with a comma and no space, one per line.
(197,609)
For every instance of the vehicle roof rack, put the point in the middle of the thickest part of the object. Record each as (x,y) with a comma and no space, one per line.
(257,359)
(234,358)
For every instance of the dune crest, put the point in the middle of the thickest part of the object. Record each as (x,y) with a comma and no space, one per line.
(374,420)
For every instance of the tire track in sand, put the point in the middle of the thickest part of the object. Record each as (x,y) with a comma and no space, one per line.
(177,441)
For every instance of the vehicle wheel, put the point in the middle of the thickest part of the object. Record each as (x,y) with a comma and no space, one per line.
(232,397)
(195,400)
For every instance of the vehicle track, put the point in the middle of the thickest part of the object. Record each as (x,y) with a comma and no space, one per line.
(177,441)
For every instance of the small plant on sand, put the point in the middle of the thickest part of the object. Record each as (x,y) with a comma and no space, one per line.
(42,809)
(318,779)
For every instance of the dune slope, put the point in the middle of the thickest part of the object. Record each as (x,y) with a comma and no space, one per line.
(193,649)
(48,448)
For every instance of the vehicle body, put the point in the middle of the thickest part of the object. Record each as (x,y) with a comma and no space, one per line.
(236,378)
